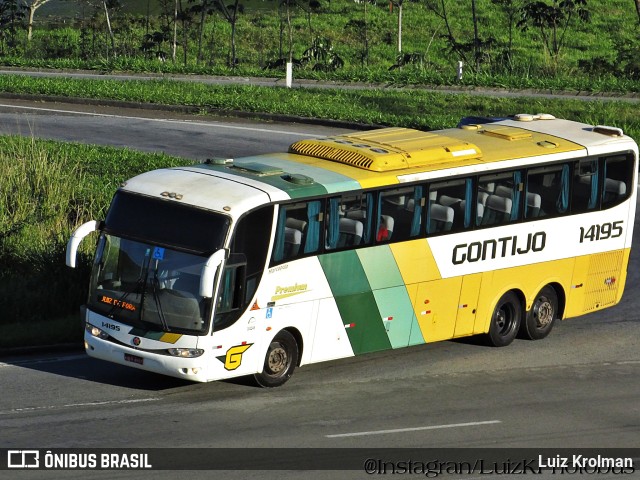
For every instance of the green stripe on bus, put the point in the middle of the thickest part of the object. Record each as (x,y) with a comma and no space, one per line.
(292,186)
(356,303)
(365,328)
(344,273)
(380,267)
(332,181)
(398,317)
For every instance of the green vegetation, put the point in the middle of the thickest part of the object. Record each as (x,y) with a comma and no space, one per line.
(47,189)
(587,45)
(395,107)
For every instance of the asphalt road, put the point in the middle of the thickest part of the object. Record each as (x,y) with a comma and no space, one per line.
(183,135)
(577,388)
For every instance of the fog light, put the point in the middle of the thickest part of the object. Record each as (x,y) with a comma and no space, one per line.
(185,352)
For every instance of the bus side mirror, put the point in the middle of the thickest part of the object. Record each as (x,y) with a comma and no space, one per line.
(77,236)
(209,270)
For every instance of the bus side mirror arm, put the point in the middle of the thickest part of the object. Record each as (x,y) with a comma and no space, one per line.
(209,273)
(77,236)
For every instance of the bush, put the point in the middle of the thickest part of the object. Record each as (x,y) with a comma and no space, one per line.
(56,43)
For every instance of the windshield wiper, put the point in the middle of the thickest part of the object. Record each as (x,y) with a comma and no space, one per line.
(142,279)
(156,298)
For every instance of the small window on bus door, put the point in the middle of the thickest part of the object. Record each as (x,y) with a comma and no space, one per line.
(547,191)
(618,178)
(499,198)
(400,213)
(349,221)
(298,231)
(251,238)
(450,206)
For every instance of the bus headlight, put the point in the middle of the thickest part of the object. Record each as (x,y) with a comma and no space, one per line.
(96,332)
(185,352)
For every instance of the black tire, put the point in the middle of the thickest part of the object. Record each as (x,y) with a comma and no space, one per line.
(505,320)
(542,316)
(280,361)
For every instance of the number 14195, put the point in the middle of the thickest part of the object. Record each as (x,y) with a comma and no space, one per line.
(601,232)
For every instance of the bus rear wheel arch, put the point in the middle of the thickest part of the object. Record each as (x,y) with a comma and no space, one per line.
(544,312)
(505,320)
(280,361)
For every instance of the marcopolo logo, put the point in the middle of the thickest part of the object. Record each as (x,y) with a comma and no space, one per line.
(23,459)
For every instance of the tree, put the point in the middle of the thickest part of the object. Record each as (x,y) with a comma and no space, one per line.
(638,8)
(439,8)
(230,13)
(12,16)
(107,5)
(553,21)
(511,10)
(33,5)
(360,30)
(399,4)
(203,8)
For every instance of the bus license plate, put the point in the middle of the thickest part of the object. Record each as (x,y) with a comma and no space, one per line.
(133,358)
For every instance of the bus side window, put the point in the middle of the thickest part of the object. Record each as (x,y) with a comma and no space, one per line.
(251,238)
(499,198)
(618,174)
(349,221)
(400,213)
(547,191)
(585,185)
(231,301)
(450,206)
(298,230)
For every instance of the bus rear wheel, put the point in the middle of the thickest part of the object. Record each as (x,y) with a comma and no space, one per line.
(542,316)
(280,361)
(505,321)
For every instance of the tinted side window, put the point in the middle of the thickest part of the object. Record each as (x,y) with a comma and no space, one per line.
(251,239)
(618,178)
(585,186)
(450,206)
(499,198)
(298,231)
(547,191)
(350,221)
(400,214)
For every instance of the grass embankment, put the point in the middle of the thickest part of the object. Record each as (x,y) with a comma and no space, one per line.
(595,55)
(46,189)
(398,107)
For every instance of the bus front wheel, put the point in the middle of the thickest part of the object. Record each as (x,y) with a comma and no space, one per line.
(505,320)
(280,361)
(543,314)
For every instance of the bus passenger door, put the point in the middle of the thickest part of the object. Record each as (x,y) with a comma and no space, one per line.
(468,304)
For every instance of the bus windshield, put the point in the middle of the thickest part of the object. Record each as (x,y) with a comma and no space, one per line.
(149,261)
(148,286)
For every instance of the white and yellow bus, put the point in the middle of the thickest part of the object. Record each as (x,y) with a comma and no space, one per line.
(361,242)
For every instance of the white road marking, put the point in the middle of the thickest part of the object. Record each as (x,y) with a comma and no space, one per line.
(414,429)
(166,120)
(74,405)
